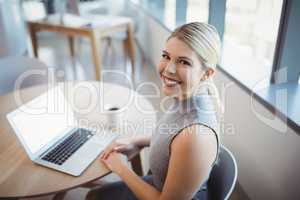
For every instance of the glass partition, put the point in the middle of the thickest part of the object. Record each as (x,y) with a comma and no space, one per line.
(197,10)
(172,13)
(250,37)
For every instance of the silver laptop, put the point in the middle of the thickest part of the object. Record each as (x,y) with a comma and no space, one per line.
(48,130)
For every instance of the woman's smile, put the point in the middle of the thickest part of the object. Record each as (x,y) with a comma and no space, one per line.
(170,82)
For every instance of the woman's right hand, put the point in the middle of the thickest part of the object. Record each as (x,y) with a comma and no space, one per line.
(126,146)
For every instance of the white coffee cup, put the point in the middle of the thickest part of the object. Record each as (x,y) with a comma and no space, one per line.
(113,116)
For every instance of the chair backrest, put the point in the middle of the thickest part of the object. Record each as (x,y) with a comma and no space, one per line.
(223,176)
(73,7)
(15,68)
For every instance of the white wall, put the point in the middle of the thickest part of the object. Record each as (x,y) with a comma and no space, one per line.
(268,160)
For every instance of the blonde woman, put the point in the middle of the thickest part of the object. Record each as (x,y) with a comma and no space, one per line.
(181,156)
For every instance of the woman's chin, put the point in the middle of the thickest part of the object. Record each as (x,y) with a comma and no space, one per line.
(169,91)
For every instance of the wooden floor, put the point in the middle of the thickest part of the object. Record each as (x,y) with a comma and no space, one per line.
(54,52)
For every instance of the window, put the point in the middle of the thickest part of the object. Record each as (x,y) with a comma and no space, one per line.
(249,40)
(197,10)
(170,13)
(173,13)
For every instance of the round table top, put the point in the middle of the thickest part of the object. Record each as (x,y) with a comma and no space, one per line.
(20,177)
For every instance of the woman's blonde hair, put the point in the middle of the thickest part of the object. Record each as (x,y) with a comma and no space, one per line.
(205,41)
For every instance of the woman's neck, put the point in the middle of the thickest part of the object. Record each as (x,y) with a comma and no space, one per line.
(196,92)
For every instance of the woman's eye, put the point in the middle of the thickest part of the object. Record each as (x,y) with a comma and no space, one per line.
(165,56)
(184,62)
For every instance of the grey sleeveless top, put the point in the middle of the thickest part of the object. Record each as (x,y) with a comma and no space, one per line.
(195,110)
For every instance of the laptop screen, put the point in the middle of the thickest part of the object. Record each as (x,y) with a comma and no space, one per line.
(42,120)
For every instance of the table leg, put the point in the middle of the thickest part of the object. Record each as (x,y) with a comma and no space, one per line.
(71,46)
(137,165)
(59,196)
(95,43)
(34,40)
(130,46)
(126,52)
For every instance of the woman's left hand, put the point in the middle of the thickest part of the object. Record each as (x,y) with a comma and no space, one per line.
(115,162)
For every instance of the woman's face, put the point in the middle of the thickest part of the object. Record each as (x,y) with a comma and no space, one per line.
(180,69)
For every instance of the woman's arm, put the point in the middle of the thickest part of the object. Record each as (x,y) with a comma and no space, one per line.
(192,154)
(127,146)
(142,141)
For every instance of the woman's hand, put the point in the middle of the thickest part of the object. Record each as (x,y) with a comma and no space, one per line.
(115,162)
(125,146)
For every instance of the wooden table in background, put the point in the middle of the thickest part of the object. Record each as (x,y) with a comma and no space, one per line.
(20,177)
(94,32)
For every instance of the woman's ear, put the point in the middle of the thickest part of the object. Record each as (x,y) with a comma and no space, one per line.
(208,73)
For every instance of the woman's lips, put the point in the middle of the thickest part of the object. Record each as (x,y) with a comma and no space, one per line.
(169,82)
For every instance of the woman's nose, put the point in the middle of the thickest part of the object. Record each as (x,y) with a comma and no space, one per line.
(171,68)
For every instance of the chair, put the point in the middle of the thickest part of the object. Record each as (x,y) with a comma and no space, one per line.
(15,68)
(223,176)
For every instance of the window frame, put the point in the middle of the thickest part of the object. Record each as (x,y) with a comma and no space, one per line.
(219,23)
(282,30)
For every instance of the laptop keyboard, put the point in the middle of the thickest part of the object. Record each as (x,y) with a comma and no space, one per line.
(70,145)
